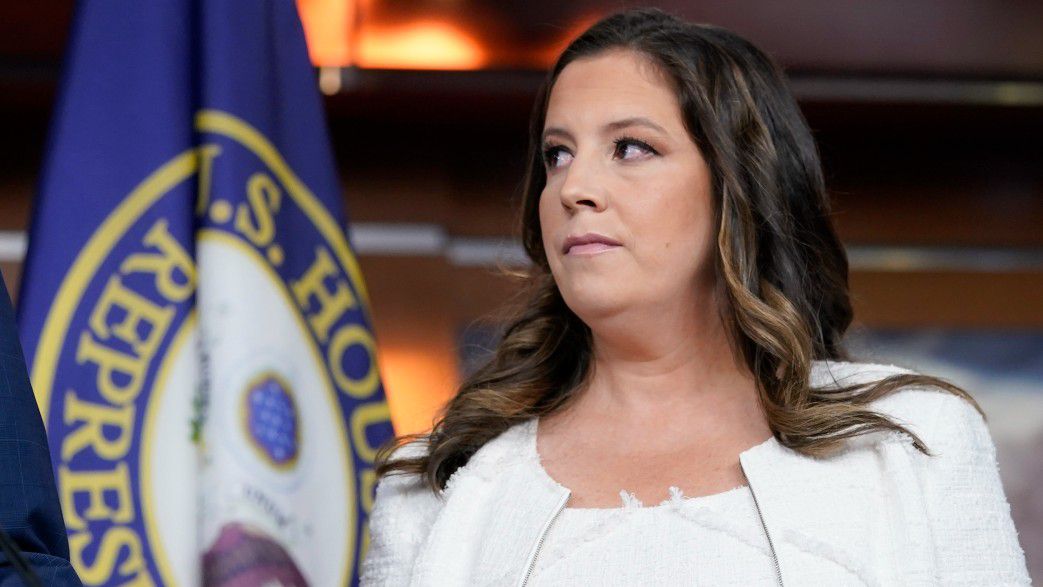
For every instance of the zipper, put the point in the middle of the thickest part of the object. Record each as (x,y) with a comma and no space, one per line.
(771,545)
(539,543)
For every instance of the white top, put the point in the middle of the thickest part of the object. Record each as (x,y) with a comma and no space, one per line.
(705,540)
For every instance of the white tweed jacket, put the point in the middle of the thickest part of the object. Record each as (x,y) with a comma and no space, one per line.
(880,509)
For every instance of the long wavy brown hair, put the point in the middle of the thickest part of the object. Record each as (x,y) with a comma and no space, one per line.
(780,263)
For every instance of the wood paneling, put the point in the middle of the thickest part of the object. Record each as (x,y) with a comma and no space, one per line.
(413,321)
(1007,300)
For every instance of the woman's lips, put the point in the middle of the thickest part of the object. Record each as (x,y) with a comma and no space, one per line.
(590,248)
(590,243)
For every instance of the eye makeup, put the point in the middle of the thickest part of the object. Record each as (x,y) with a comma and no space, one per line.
(550,151)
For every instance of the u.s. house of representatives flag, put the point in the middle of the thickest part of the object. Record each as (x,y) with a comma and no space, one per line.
(195,321)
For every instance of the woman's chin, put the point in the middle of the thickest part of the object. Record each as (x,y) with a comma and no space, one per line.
(591,305)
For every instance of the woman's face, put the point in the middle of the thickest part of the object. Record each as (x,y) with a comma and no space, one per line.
(620,164)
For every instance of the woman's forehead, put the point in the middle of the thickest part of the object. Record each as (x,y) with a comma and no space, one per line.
(611,86)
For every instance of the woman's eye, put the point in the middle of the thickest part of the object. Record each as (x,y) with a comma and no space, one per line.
(550,156)
(627,145)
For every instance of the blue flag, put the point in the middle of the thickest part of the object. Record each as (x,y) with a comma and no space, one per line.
(196,324)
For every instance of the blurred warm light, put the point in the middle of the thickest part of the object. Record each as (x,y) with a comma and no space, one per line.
(343,33)
(327,27)
(428,44)
(418,380)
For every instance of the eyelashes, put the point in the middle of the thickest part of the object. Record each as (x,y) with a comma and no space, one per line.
(550,152)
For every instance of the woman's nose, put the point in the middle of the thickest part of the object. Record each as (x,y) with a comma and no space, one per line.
(581,186)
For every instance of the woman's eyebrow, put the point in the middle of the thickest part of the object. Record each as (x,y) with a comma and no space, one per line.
(612,126)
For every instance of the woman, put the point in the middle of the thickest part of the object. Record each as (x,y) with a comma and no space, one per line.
(681,341)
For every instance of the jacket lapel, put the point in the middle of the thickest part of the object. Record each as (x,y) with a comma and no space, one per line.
(493,516)
(838,511)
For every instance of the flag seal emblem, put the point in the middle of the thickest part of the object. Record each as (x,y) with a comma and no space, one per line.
(271,420)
